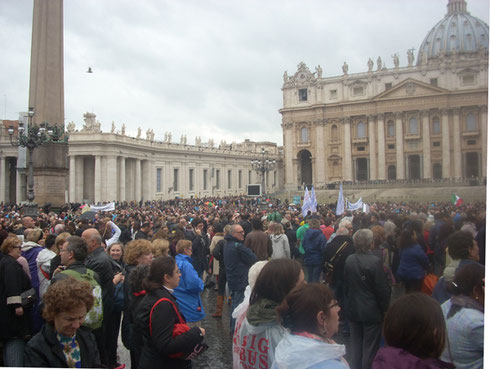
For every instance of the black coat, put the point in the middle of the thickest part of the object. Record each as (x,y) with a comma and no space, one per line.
(161,344)
(366,288)
(13,281)
(331,249)
(200,253)
(44,349)
(101,263)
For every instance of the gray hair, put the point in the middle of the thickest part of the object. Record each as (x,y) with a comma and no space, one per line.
(390,228)
(344,223)
(342,231)
(363,240)
(78,246)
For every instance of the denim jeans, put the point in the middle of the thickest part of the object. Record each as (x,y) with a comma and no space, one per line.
(236,299)
(313,273)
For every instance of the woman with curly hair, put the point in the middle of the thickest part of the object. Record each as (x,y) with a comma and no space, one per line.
(63,341)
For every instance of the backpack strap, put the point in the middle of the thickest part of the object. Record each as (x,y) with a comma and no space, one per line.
(181,320)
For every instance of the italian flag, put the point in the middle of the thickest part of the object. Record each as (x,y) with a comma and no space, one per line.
(456,200)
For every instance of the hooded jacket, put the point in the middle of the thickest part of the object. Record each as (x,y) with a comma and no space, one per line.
(188,293)
(256,336)
(314,244)
(43,262)
(298,352)
(238,260)
(280,247)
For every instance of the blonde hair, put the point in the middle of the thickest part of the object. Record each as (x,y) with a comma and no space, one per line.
(160,247)
(134,249)
(34,235)
(183,245)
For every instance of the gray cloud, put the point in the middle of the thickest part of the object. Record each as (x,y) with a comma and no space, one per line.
(210,68)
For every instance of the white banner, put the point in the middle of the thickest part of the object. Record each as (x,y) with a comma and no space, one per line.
(107,207)
(356,205)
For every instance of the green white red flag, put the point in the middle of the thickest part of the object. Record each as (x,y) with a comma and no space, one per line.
(456,200)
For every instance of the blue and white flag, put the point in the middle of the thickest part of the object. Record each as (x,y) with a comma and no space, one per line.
(365,208)
(313,202)
(306,203)
(340,202)
(355,206)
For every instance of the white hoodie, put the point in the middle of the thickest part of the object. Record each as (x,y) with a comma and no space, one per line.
(43,262)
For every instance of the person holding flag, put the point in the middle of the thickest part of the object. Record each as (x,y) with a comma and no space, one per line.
(456,200)
(306,203)
(340,202)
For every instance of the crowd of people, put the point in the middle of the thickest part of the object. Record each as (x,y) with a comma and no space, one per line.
(72,281)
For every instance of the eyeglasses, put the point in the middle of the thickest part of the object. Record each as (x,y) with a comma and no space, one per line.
(17,247)
(335,303)
(239,232)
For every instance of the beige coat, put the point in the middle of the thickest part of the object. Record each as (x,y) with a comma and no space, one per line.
(217,237)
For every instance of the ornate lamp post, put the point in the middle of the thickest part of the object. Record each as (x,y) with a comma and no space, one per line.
(262,166)
(35,136)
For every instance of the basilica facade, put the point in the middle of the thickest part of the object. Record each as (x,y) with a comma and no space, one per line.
(426,119)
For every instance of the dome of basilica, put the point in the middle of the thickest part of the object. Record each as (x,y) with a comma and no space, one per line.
(457,33)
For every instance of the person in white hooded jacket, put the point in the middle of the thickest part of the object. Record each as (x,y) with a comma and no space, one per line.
(312,315)
(258,331)
(43,261)
(280,242)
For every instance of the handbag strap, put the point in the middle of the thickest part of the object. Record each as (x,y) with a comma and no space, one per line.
(181,320)
(46,275)
(337,253)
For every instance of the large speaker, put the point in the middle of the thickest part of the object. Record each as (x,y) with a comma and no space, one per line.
(254,190)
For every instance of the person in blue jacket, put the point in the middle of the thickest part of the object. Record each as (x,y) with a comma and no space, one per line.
(188,293)
(414,263)
(314,244)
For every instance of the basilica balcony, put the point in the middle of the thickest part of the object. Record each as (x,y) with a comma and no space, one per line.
(411,137)
(360,141)
(471,134)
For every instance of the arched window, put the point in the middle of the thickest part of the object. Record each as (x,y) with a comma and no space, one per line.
(391,129)
(413,126)
(392,172)
(361,130)
(335,132)
(471,122)
(436,126)
(304,134)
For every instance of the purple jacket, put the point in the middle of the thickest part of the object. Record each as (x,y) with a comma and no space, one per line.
(396,358)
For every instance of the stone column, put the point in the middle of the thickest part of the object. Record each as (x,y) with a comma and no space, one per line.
(445,145)
(484,139)
(122,178)
(294,173)
(79,178)
(98,179)
(73,178)
(111,178)
(400,165)
(347,162)
(381,148)
(320,155)
(372,149)
(137,192)
(426,144)
(458,172)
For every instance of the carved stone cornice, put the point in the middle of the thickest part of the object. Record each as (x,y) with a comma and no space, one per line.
(380,116)
(424,113)
(483,108)
(399,115)
(346,120)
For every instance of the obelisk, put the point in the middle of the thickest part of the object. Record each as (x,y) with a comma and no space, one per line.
(46,96)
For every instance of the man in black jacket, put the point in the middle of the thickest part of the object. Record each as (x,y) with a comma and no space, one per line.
(100,262)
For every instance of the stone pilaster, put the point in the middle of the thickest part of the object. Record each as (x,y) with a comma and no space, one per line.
(320,155)
(446,160)
(426,144)
(372,148)
(347,162)
(400,165)
(79,178)
(381,148)
(458,171)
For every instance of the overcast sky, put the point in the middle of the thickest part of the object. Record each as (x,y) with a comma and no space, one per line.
(211,68)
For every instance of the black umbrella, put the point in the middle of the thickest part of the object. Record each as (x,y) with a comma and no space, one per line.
(90,215)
